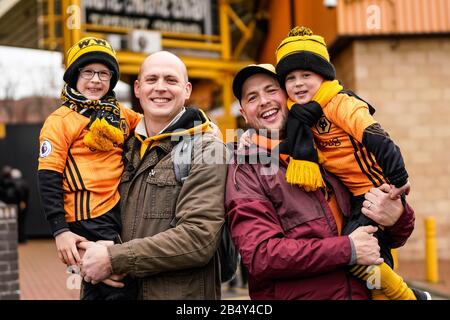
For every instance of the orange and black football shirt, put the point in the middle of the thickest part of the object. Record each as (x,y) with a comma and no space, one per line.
(339,135)
(90,177)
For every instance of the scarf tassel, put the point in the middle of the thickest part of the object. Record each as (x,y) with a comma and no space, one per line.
(304,173)
(103,136)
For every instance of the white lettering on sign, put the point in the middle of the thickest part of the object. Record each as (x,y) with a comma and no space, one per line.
(185,16)
(177,27)
(148,7)
(114,21)
(95,4)
(177,9)
(188,9)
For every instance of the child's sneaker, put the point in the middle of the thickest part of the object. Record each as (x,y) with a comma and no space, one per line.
(421,295)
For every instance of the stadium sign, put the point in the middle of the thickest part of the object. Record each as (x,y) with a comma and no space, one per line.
(180,16)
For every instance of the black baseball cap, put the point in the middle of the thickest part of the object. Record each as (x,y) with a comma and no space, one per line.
(249,71)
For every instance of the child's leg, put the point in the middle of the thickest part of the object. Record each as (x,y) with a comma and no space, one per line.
(105,227)
(357,218)
(384,278)
(89,291)
(390,283)
(128,292)
(377,294)
(101,291)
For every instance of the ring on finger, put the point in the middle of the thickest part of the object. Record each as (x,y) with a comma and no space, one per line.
(370,203)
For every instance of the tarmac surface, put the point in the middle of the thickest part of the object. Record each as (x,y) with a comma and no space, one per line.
(43,277)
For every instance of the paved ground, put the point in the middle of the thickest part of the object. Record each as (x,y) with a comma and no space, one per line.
(43,277)
(414,272)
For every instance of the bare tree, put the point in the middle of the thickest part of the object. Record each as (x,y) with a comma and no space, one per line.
(8,89)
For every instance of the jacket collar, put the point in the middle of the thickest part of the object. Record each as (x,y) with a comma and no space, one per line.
(188,122)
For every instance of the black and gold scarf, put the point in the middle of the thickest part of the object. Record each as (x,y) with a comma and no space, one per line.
(104,114)
(303,168)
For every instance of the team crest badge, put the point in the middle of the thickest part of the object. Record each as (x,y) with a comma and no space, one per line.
(45,149)
(323,125)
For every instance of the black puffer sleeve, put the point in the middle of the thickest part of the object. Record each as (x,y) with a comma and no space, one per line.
(387,154)
(52,200)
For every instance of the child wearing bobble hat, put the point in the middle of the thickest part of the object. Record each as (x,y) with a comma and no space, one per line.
(80,160)
(335,128)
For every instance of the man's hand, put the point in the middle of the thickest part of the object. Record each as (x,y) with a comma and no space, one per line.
(245,140)
(106,243)
(397,192)
(114,281)
(366,246)
(379,206)
(96,264)
(66,244)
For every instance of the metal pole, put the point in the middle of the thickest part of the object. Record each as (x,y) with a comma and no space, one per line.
(292,13)
(71,23)
(431,259)
(224,29)
(228,122)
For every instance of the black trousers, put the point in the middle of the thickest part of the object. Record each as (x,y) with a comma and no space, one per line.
(106,227)
(358,219)
(101,291)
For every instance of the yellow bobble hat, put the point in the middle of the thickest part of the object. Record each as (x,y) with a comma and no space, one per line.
(302,50)
(90,50)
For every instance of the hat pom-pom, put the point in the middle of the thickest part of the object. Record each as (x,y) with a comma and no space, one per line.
(300,31)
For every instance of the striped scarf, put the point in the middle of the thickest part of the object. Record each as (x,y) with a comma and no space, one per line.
(303,168)
(104,114)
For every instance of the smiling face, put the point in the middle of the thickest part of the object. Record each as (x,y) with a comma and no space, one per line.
(93,89)
(301,85)
(162,87)
(263,103)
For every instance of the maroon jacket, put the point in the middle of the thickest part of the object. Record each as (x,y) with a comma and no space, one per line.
(288,238)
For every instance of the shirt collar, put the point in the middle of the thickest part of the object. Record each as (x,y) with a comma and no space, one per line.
(141,129)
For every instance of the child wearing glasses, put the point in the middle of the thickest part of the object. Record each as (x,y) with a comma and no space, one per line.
(80,159)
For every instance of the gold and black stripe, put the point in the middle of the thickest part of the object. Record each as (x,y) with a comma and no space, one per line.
(364,156)
(82,195)
(73,185)
(373,164)
(358,270)
(369,170)
(67,179)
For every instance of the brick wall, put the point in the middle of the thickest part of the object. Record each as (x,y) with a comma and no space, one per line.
(9,271)
(408,82)
(345,67)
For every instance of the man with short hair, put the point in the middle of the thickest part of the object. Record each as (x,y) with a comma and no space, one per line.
(290,239)
(170,230)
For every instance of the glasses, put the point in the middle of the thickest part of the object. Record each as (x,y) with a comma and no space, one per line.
(89,74)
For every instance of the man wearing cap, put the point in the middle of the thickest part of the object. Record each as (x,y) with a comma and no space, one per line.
(289,238)
(171,230)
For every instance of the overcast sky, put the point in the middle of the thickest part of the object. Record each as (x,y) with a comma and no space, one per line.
(28,72)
